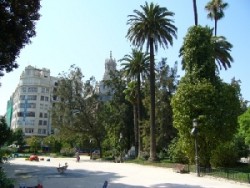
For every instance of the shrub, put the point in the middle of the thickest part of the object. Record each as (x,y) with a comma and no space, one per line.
(68,152)
(225,155)
(4,181)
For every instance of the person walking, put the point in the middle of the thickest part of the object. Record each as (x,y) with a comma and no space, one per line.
(77,157)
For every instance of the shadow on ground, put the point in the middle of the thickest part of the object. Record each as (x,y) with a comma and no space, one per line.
(31,175)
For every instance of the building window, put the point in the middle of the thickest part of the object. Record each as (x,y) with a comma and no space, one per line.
(20,114)
(41,106)
(46,98)
(40,122)
(45,115)
(41,115)
(31,97)
(42,98)
(44,122)
(30,114)
(32,89)
(31,105)
(29,130)
(22,97)
(41,131)
(24,89)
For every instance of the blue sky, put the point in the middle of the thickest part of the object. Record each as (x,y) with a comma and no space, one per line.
(84,32)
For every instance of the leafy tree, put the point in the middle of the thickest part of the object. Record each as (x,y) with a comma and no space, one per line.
(201,94)
(17,26)
(17,138)
(166,84)
(197,52)
(215,10)
(35,143)
(78,108)
(5,131)
(225,155)
(136,67)
(118,114)
(53,143)
(153,26)
(244,130)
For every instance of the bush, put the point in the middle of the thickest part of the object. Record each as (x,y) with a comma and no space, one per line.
(68,152)
(225,155)
(176,153)
(4,181)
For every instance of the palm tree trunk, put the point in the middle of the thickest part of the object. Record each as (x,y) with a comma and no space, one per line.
(195,12)
(139,113)
(152,103)
(215,27)
(135,129)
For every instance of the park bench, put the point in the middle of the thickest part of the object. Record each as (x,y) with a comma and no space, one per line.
(62,169)
(179,168)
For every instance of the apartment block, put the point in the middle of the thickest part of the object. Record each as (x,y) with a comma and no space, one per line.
(29,106)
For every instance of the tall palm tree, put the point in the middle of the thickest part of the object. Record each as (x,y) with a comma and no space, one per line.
(154,27)
(215,11)
(195,12)
(136,66)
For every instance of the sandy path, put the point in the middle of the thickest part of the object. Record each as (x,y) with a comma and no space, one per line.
(92,174)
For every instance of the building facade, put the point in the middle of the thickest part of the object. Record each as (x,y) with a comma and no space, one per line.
(29,106)
(104,91)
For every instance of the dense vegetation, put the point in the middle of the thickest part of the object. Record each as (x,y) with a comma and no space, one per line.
(150,108)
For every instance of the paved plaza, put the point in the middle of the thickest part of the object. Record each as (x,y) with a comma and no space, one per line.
(93,174)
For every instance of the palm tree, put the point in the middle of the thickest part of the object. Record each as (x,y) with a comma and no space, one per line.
(222,50)
(195,12)
(152,26)
(136,66)
(215,11)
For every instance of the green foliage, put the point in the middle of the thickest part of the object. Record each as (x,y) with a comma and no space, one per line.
(202,95)
(68,152)
(117,114)
(35,143)
(176,152)
(17,138)
(79,111)
(197,52)
(166,85)
(53,143)
(5,182)
(225,155)
(154,27)
(216,108)
(244,129)
(5,131)
(17,26)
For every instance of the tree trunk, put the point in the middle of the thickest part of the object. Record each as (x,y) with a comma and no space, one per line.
(139,113)
(195,12)
(215,27)
(152,103)
(135,129)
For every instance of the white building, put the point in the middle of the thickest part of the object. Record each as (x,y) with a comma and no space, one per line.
(31,102)
(104,91)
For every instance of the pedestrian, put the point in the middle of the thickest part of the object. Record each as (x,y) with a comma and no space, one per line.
(77,156)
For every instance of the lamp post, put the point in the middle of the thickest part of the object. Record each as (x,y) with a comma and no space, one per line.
(194,132)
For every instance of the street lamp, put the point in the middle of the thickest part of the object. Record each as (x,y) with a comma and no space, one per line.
(194,132)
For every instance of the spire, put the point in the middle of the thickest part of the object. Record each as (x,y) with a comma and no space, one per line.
(110,54)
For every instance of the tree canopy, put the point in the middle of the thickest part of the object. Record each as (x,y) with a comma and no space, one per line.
(17,26)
